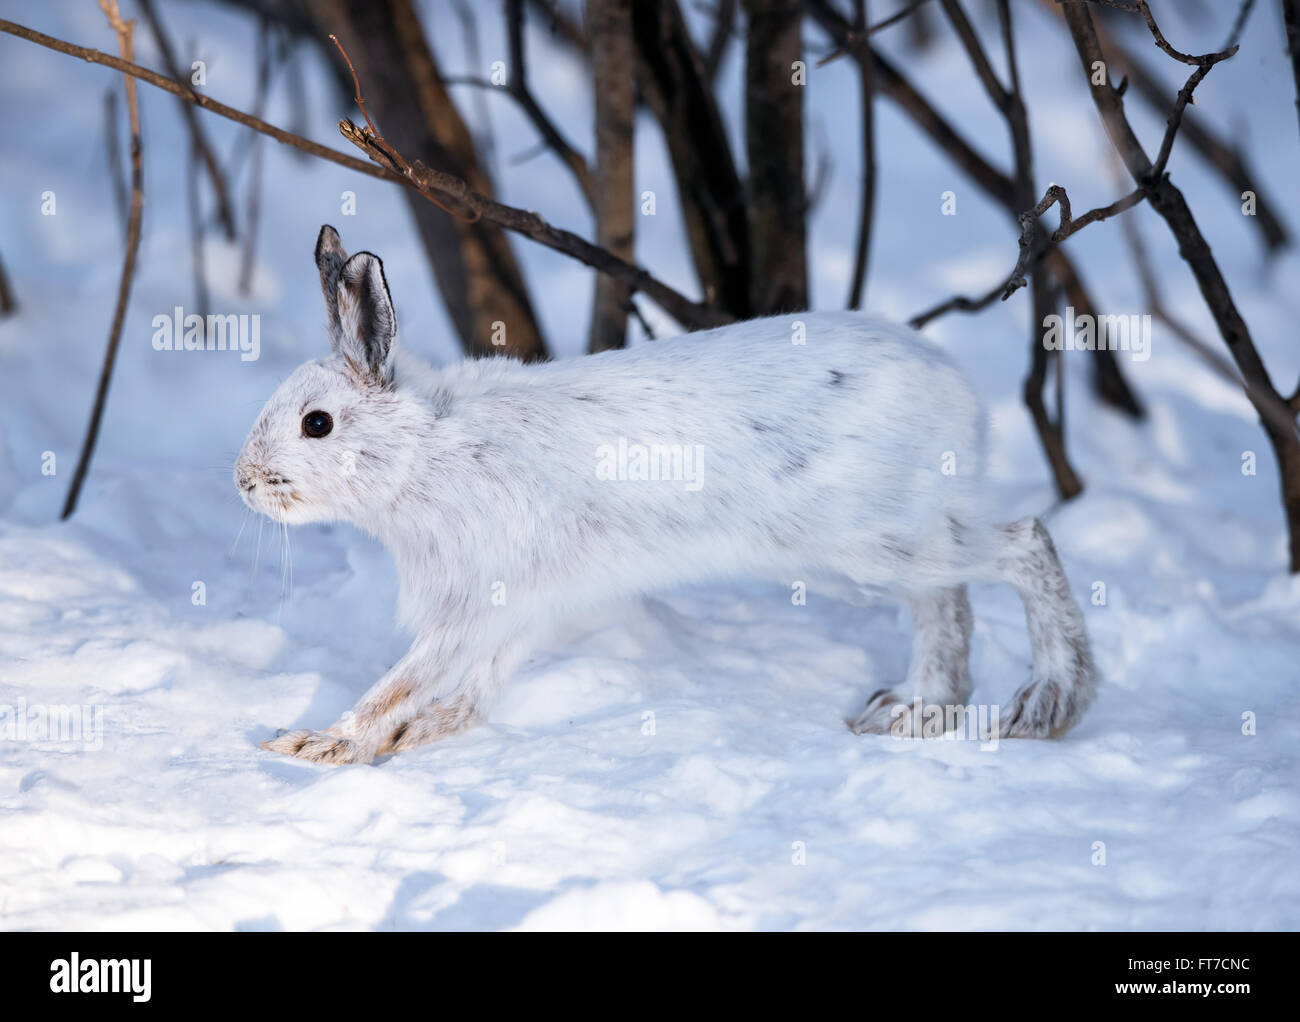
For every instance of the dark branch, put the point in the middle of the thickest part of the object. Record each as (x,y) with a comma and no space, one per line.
(1030,254)
(517,85)
(859,35)
(867,201)
(125,32)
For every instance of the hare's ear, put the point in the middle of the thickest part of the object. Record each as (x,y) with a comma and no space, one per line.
(368,325)
(330,257)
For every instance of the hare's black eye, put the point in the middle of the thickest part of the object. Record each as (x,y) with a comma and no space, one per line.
(317,424)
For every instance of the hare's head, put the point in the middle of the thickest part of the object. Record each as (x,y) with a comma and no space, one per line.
(336,439)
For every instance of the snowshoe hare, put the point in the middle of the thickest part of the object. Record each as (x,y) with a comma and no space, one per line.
(811,447)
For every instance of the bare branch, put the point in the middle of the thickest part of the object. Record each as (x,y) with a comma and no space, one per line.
(197,137)
(724,18)
(392,157)
(1227,159)
(8,303)
(517,85)
(116,171)
(613,69)
(774,144)
(890,82)
(1055,195)
(709,187)
(516,88)
(1168,201)
(867,201)
(1108,379)
(959,303)
(1205,60)
(1291,21)
(1010,102)
(860,34)
(252,219)
(563,26)
(1001,96)
(125,41)
(434,182)
(1239,24)
(482,112)
(194,210)
(1281,414)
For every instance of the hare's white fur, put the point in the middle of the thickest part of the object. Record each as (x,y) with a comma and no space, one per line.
(821,447)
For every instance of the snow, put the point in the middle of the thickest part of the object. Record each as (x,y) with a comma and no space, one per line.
(678,762)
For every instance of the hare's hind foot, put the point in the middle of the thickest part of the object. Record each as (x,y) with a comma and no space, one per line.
(939,674)
(1043,709)
(319,747)
(1064,677)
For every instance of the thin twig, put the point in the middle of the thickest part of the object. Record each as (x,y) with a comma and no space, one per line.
(430,181)
(517,85)
(563,26)
(867,202)
(125,33)
(1056,195)
(724,17)
(252,218)
(1239,24)
(116,172)
(1278,412)
(517,88)
(1204,60)
(1227,159)
(1291,25)
(1172,206)
(483,112)
(8,303)
(630,307)
(859,35)
(390,155)
(194,208)
(197,138)
(1203,65)
(958,303)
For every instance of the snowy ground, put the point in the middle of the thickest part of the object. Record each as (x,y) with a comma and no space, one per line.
(749,805)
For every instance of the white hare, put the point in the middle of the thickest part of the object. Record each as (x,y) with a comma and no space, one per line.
(815,447)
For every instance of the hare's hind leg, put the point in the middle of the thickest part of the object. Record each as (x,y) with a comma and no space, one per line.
(939,673)
(1064,679)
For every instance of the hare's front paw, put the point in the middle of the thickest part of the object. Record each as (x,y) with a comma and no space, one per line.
(319,747)
(893,713)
